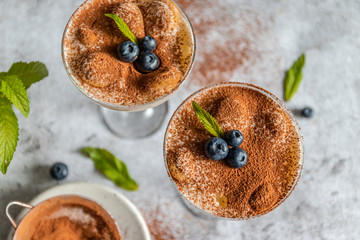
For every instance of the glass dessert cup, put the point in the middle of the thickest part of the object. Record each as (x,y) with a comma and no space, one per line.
(133,121)
(198,211)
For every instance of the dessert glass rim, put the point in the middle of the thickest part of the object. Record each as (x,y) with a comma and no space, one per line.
(283,107)
(130,108)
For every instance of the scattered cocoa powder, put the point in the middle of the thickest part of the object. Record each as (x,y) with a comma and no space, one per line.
(233,39)
(91,39)
(67,217)
(160,232)
(160,223)
(162,218)
(272,143)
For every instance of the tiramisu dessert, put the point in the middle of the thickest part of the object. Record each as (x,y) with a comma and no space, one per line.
(65,218)
(234,150)
(128,52)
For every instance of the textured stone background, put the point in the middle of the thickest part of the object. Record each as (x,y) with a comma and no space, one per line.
(264,37)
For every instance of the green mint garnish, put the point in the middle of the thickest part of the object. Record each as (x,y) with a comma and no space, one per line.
(13,85)
(208,121)
(123,27)
(293,78)
(111,167)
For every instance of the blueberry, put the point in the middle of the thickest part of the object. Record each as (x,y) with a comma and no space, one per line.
(307,112)
(59,171)
(128,51)
(216,148)
(147,62)
(148,43)
(236,158)
(234,138)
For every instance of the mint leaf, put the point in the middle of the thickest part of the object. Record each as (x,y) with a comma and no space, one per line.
(111,167)
(29,73)
(208,121)
(13,88)
(123,27)
(293,78)
(13,85)
(9,133)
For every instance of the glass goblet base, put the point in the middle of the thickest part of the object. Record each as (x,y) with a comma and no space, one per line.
(134,125)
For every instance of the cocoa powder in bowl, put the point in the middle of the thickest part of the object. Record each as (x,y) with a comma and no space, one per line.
(272,141)
(67,217)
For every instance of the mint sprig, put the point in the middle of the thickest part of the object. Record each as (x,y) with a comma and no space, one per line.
(111,167)
(123,27)
(208,121)
(293,78)
(13,85)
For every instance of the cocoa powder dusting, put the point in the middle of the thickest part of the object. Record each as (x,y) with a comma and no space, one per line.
(230,42)
(63,228)
(160,224)
(159,231)
(91,39)
(67,217)
(164,221)
(271,141)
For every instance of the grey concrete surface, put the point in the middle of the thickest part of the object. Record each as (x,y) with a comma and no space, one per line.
(325,204)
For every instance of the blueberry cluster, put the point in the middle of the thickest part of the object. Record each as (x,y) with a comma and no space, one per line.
(145,61)
(218,149)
